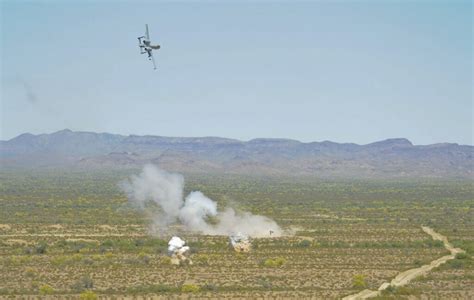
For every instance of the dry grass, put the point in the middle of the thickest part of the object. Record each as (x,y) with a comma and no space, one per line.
(93,241)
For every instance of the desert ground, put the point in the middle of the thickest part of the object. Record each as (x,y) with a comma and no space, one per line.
(73,234)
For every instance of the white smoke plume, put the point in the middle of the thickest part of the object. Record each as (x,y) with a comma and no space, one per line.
(240,242)
(177,250)
(176,244)
(166,190)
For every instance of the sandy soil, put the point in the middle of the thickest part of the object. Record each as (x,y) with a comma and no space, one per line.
(407,276)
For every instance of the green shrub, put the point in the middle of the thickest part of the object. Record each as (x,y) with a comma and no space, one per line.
(456,264)
(202,259)
(418,263)
(143,258)
(468,246)
(209,287)
(139,243)
(88,295)
(46,290)
(462,256)
(303,244)
(389,290)
(76,257)
(280,261)
(265,283)
(358,281)
(151,289)
(30,272)
(404,290)
(41,248)
(190,288)
(59,260)
(277,262)
(109,256)
(165,260)
(84,283)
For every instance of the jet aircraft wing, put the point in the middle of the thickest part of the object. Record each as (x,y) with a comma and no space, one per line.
(153,60)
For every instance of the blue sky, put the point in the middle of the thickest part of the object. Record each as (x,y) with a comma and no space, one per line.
(347,71)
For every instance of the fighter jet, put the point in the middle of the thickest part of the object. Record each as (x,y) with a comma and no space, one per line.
(146,47)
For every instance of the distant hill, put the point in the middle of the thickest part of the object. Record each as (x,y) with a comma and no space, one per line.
(390,158)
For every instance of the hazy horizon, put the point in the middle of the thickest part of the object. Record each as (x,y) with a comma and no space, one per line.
(351,72)
(224,137)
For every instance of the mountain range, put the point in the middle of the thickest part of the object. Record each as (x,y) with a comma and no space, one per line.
(391,158)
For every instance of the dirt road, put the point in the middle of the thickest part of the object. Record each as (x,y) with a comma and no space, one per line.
(407,276)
